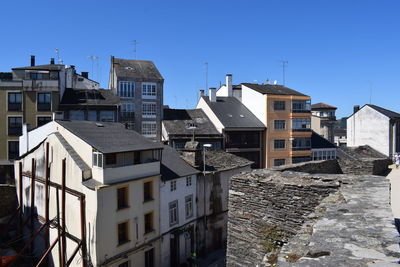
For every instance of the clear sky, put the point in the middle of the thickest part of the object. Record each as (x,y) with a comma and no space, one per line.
(337,49)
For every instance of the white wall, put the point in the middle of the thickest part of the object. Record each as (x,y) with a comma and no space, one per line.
(34,137)
(256,103)
(369,127)
(222,91)
(210,114)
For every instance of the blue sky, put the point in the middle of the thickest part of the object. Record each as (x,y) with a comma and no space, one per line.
(337,50)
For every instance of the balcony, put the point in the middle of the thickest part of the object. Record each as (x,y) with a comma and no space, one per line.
(40,85)
(131,172)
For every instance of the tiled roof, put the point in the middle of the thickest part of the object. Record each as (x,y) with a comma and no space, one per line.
(386,112)
(321,105)
(89,97)
(136,69)
(172,166)
(272,89)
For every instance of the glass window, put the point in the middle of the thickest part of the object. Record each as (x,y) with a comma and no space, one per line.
(122,197)
(13,150)
(301,106)
(123,233)
(189,206)
(44,101)
(279,105)
(126,89)
(43,120)
(301,124)
(188,181)
(279,162)
(15,126)
(97,159)
(148,222)
(107,115)
(173,212)
(92,115)
(173,185)
(149,258)
(77,115)
(149,90)
(149,128)
(148,191)
(149,110)
(124,264)
(279,124)
(301,144)
(279,144)
(14,101)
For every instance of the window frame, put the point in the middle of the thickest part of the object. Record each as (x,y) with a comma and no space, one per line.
(278,105)
(41,117)
(97,155)
(173,212)
(151,191)
(149,110)
(14,132)
(149,258)
(151,216)
(280,123)
(149,90)
(44,104)
(127,233)
(189,181)
(15,103)
(279,160)
(278,143)
(149,132)
(125,196)
(8,149)
(189,200)
(173,185)
(126,89)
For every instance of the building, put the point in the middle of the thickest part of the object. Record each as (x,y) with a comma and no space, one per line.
(104,190)
(178,209)
(340,132)
(29,95)
(212,198)
(323,120)
(242,131)
(91,105)
(321,148)
(182,125)
(140,86)
(374,126)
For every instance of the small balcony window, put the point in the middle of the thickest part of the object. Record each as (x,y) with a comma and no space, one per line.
(122,198)
(123,233)
(148,191)
(14,101)
(189,206)
(44,101)
(15,126)
(97,159)
(279,105)
(148,223)
(13,150)
(301,106)
(173,213)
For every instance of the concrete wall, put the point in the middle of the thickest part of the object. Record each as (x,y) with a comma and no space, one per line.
(369,127)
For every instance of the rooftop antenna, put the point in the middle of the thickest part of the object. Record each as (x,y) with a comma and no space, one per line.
(57,50)
(134,43)
(93,58)
(206,63)
(370,91)
(284,63)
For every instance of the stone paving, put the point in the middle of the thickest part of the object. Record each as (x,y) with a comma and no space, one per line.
(352,227)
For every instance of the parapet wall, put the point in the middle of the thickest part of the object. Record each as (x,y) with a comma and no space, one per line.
(267,207)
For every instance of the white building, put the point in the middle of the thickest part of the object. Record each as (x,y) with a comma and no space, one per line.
(178,209)
(111,179)
(374,126)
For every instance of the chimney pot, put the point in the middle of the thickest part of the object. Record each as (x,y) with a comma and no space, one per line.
(356,108)
(52,61)
(213,94)
(85,74)
(32,60)
(201,93)
(268,81)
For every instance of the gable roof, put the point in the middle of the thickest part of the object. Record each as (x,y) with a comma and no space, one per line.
(172,166)
(232,113)
(109,137)
(177,121)
(100,97)
(386,112)
(321,105)
(42,67)
(318,141)
(136,69)
(272,89)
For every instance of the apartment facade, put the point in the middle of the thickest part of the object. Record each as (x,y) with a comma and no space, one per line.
(29,95)
(323,120)
(117,224)
(139,84)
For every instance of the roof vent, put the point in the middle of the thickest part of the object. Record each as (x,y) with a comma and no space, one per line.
(230,115)
(241,116)
(99,124)
(129,68)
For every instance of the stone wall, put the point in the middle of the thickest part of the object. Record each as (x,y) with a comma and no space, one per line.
(267,207)
(8,203)
(322,166)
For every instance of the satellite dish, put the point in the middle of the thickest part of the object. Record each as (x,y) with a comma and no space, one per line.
(275,82)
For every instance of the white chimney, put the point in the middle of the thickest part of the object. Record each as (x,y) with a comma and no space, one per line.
(213,95)
(201,93)
(229,84)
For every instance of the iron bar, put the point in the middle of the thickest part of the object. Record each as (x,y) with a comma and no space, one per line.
(44,257)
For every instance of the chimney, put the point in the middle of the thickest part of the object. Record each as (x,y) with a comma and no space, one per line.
(268,81)
(52,61)
(193,154)
(85,74)
(213,94)
(201,93)
(356,108)
(32,61)
(229,84)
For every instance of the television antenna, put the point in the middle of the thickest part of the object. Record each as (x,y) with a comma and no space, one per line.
(206,64)
(94,58)
(284,63)
(59,61)
(134,43)
(370,91)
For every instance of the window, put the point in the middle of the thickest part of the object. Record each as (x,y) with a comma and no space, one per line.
(188,181)
(148,222)
(107,115)
(126,89)
(111,158)
(189,206)
(149,258)
(279,124)
(39,76)
(123,233)
(76,115)
(173,212)
(301,144)
(92,115)
(15,126)
(44,101)
(301,124)
(13,150)
(279,162)
(136,157)
(279,144)
(43,120)
(149,110)
(300,106)
(97,159)
(127,111)
(300,159)
(173,185)
(149,128)
(148,191)
(122,197)
(14,101)
(149,90)
(279,105)
(124,264)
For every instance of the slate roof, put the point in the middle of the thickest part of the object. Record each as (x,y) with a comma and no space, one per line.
(272,89)
(172,166)
(42,67)
(386,112)
(89,97)
(111,137)
(321,105)
(136,69)
(177,121)
(232,113)
(318,141)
